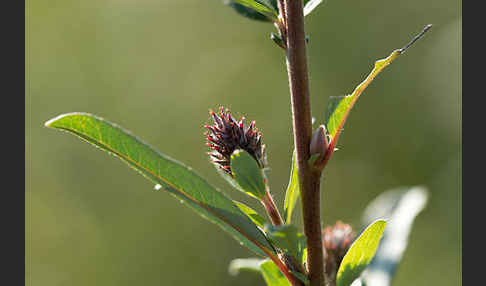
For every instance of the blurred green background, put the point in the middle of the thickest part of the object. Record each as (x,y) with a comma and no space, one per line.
(156,67)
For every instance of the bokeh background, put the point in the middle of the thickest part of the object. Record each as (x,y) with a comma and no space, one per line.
(156,67)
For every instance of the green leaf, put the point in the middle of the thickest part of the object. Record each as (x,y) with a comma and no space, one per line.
(253,215)
(310,5)
(333,114)
(272,4)
(272,275)
(293,191)
(173,176)
(245,264)
(360,253)
(287,238)
(248,12)
(257,10)
(339,107)
(247,175)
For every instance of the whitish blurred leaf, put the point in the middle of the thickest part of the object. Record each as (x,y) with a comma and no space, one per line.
(310,5)
(245,264)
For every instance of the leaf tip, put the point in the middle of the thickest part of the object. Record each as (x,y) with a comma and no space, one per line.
(381,221)
(51,122)
(48,123)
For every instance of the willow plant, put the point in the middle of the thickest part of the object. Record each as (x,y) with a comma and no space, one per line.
(316,256)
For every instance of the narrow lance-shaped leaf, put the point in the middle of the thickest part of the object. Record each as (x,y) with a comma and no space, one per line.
(245,264)
(173,176)
(248,12)
(339,107)
(272,4)
(293,191)
(360,253)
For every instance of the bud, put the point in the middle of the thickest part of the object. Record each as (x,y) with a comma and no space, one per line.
(336,240)
(319,142)
(228,135)
(277,39)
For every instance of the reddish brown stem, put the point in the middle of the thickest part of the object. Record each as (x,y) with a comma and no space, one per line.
(309,178)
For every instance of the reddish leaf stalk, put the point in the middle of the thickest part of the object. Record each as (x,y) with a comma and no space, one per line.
(309,178)
(271,209)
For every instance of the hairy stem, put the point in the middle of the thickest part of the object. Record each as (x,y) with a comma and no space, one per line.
(309,179)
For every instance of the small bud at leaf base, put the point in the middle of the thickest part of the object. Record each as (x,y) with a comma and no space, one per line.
(277,39)
(319,142)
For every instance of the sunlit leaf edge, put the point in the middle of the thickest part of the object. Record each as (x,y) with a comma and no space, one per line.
(360,253)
